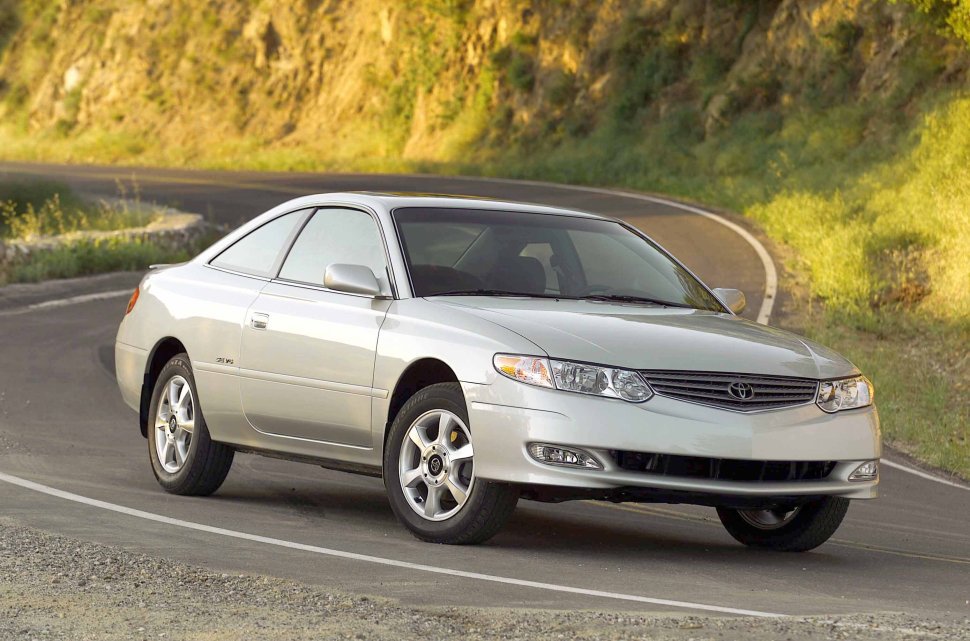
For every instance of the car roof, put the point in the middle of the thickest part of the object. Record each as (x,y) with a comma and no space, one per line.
(399,200)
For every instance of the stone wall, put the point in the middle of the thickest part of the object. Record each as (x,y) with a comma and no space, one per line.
(172,230)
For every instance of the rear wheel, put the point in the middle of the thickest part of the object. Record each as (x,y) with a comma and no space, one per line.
(797,529)
(183,457)
(429,472)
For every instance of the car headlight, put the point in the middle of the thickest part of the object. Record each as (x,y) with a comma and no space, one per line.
(583,378)
(844,394)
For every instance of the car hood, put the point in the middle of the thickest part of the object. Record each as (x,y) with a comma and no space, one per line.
(641,337)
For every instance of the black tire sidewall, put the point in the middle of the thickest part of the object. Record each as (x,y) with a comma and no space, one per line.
(814,524)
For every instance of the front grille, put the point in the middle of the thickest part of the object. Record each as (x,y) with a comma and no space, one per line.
(722,469)
(739,392)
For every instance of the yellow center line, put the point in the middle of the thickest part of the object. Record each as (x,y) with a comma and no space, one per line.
(672,514)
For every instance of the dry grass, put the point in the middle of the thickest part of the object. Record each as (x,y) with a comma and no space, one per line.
(33,210)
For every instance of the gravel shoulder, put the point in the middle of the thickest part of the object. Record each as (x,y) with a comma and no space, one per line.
(52,587)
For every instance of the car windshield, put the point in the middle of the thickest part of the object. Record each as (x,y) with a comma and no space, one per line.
(452,251)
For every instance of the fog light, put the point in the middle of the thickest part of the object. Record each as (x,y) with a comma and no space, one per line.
(868,471)
(556,455)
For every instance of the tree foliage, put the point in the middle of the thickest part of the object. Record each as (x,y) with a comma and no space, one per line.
(951,15)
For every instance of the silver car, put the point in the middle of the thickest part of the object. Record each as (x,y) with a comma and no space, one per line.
(474,352)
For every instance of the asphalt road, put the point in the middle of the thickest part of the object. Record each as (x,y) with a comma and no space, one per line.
(63,425)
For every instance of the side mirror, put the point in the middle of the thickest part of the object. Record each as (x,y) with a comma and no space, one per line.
(733,298)
(352,279)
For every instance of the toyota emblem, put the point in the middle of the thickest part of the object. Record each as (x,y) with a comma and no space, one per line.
(741,391)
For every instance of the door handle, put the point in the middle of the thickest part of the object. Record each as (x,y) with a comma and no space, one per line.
(259,320)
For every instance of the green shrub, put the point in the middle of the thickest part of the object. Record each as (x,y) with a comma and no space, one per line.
(29,209)
(9,21)
(92,257)
(562,88)
(646,61)
(37,192)
(521,71)
(843,38)
(952,16)
(517,59)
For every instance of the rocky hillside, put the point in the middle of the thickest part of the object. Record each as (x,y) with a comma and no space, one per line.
(444,80)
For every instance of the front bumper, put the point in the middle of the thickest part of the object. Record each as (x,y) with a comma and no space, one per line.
(506,416)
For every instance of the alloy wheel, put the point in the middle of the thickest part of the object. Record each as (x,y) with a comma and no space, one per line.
(436,468)
(769,519)
(174,424)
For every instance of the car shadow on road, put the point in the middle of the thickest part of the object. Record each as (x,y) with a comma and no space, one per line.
(580,533)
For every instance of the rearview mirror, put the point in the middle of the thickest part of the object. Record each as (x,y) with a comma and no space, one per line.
(733,298)
(352,279)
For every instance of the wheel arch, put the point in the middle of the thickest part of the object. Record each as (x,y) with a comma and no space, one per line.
(421,373)
(161,353)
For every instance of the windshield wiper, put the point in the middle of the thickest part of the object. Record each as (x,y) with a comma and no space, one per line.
(495,292)
(623,298)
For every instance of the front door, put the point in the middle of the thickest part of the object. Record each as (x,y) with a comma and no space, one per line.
(307,355)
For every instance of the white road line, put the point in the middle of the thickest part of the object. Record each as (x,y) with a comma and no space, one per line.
(771,274)
(63,302)
(921,474)
(158,518)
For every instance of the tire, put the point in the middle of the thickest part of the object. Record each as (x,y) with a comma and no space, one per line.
(197,466)
(811,525)
(486,507)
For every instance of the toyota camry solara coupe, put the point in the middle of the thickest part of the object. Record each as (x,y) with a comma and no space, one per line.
(474,352)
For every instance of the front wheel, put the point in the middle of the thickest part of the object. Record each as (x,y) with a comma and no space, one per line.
(429,472)
(796,529)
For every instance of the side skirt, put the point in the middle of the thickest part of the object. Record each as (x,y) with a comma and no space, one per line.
(330,464)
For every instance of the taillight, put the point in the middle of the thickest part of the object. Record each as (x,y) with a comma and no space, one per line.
(132,300)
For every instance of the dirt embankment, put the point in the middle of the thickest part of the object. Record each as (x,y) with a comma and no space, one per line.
(435,80)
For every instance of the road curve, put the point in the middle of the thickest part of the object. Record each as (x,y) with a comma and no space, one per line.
(79,468)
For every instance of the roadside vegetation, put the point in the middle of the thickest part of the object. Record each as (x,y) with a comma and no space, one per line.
(841,129)
(33,209)
(86,257)
(38,211)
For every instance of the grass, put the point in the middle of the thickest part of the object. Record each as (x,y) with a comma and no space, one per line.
(923,408)
(86,257)
(36,209)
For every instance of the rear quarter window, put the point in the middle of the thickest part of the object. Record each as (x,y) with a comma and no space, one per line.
(258,253)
